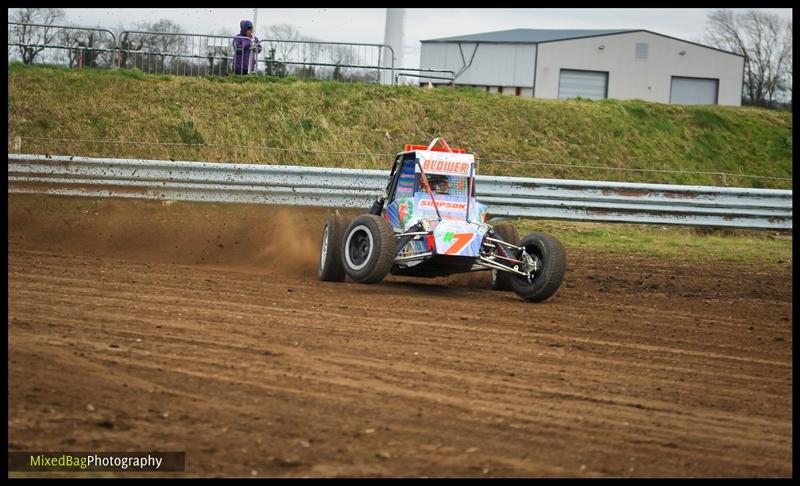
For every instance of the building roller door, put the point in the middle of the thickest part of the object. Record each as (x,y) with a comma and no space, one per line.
(694,91)
(586,84)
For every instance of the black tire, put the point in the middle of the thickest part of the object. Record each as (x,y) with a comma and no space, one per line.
(553,265)
(368,248)
(507,232)
(330,261)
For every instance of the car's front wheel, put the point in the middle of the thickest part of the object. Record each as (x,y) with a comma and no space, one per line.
(546,259)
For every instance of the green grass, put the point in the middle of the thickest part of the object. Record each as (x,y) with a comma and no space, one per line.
(242,118)
(768,248)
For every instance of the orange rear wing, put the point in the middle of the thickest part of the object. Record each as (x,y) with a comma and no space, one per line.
(434,148)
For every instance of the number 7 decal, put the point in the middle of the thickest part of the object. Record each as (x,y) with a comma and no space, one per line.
(461,240)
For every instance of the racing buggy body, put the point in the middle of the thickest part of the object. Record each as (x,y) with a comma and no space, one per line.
(428,223)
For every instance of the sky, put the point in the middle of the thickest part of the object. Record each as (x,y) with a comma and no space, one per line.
(364,25)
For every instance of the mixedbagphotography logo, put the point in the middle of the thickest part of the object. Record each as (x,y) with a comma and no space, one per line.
(96,461)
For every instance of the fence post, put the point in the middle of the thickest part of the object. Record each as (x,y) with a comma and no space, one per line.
(392,75)
(270,61)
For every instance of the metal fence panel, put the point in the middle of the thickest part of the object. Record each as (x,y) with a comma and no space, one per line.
(340,61)
(74,47)
(329,187)
(184,54)
(175,54)
(201,54)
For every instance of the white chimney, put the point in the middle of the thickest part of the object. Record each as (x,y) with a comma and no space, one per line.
(393,36)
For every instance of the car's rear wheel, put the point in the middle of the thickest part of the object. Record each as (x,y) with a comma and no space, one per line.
(368,248)
(508,232)
(330,261)
(547,256)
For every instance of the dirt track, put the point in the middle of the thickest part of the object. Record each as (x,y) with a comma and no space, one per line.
(185,330)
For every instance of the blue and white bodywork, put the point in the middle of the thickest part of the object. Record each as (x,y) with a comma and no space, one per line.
(431,205)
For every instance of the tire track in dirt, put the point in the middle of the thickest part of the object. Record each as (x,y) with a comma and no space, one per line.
(256,369)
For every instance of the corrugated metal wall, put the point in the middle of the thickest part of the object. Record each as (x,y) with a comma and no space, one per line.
(493,64)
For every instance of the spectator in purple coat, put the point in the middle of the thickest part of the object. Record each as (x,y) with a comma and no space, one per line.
(244,46)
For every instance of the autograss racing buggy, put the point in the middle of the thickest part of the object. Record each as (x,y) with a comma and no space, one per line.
(428,223)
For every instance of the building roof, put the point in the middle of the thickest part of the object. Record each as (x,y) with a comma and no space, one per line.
(537,36)
(528,36)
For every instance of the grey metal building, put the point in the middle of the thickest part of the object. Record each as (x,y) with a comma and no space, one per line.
(596,64)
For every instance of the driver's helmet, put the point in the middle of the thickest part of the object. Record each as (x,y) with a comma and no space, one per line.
(440,184)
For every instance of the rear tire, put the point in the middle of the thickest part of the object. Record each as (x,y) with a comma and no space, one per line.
(368,248)
(330,261)
(552,267)
(508,232)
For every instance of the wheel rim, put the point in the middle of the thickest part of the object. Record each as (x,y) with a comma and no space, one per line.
(324,252)
(358,247)
(533,258)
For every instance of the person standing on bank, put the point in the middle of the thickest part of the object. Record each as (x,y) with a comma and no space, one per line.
(246,47)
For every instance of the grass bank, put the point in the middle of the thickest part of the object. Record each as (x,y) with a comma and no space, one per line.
(123,113)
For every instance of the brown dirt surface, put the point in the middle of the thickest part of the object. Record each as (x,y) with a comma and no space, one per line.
(203,328)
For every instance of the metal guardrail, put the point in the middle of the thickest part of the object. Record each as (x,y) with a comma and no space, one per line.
(636,203)
(327,187)
(194,181)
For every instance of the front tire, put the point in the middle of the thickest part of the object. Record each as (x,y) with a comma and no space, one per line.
(368,248)
(549,255)
(330,262)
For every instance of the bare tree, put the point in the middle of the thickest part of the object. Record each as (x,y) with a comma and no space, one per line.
(129,44)
(286,44)
(32,39)
(83,42)
(765,41)
(88,48)
(150,51)
(342,56)
(218,52)
(284,39)
(786,74)
(166,42)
